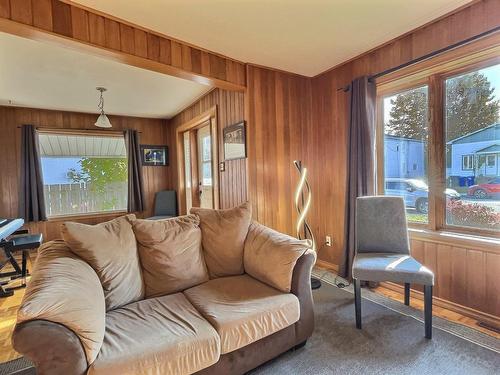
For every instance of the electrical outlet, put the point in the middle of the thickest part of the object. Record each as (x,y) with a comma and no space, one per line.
(328,241)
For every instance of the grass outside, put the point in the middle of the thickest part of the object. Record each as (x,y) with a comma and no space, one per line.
(415,217)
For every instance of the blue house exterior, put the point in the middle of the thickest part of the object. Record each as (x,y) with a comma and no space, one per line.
(404,157)
(476,154)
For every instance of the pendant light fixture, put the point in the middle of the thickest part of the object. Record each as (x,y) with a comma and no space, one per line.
(102,120)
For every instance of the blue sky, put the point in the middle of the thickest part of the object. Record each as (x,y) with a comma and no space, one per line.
(55,170)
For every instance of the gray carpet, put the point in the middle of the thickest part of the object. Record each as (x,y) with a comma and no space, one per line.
(390,343)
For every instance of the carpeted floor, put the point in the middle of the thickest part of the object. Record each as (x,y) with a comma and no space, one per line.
(391,342)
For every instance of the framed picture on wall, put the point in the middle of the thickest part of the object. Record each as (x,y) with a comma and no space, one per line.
(235,141)
(154,155)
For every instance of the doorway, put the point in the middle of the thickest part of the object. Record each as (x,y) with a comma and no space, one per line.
(198,163)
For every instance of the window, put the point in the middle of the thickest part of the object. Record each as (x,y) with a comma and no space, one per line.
(446,166)
(472,129)
(467,162)
(405,149)
(83,174)
(207,161)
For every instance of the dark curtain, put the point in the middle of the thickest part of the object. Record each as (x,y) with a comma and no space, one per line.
(136,201)
(360,160)
(31,201)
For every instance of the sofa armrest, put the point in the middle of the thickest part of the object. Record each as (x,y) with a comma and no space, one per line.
(301,287)
(62,313)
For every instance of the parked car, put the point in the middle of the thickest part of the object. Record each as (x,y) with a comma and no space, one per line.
(415,192)
(486,190)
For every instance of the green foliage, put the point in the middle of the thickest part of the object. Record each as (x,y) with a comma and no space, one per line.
(470,106)
(409,115)
(99,172)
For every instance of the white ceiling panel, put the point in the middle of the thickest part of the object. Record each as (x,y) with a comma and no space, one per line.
(41,75)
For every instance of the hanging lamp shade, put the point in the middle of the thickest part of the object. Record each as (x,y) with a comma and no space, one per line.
(102,120)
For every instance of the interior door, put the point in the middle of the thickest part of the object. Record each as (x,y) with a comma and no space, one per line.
(205,172)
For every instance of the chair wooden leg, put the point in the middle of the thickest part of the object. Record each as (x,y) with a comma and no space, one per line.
(357,302)
(407,294)
(428,311)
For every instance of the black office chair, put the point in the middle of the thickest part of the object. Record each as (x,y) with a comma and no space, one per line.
(165,205)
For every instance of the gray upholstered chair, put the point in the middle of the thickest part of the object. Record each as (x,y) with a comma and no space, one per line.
(383,252)
(165,205)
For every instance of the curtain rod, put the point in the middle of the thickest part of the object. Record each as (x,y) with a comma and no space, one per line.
(428,56)
(69,130)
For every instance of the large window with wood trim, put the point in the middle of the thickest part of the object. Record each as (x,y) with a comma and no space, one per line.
(439,145)
(83,173)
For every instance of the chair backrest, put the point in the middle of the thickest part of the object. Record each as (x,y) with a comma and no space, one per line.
(381,225)
(165,203)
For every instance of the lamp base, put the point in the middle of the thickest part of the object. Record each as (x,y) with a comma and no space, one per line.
(315,283)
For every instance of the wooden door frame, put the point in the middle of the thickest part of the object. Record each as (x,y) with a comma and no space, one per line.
(197,122)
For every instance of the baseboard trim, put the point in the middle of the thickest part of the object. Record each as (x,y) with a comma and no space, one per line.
(480,316)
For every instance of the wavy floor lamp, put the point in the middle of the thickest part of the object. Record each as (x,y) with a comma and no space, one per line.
(303,198)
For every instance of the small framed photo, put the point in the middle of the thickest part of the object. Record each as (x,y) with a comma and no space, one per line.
(154,155)
(235,141)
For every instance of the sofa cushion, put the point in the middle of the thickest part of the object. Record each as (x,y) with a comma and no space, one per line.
(164,335)
(223,237)
(111,250)
(270,256)
(170,254)
(243,310)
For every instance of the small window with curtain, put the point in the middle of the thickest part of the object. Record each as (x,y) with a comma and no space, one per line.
(83,174)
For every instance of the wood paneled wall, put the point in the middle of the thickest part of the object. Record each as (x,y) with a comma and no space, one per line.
(153,131)
(75,23)
(464,275)
(293,117)
(230,110)
(278,111)
(331,107)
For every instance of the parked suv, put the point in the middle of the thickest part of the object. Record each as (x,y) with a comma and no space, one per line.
(415,192)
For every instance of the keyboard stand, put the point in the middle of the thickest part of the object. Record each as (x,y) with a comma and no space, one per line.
(20,241)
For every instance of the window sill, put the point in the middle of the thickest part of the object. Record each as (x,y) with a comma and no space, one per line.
(487,244)
(90,215)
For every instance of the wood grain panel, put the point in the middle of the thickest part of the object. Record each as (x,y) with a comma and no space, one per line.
(21,11)
(279,130)
(42,14)
(153,131)
(61,18)
(5,8)
(80,24)
(230,110)
(97,31)
(51,18)
(127,39)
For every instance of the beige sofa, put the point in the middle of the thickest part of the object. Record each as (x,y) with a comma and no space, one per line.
(208,293)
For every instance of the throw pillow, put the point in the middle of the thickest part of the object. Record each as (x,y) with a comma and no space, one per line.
(170,254)
(223,234)
(110,249)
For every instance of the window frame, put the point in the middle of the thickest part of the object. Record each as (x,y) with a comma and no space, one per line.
(83,132)
(468,157)
(433,73)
